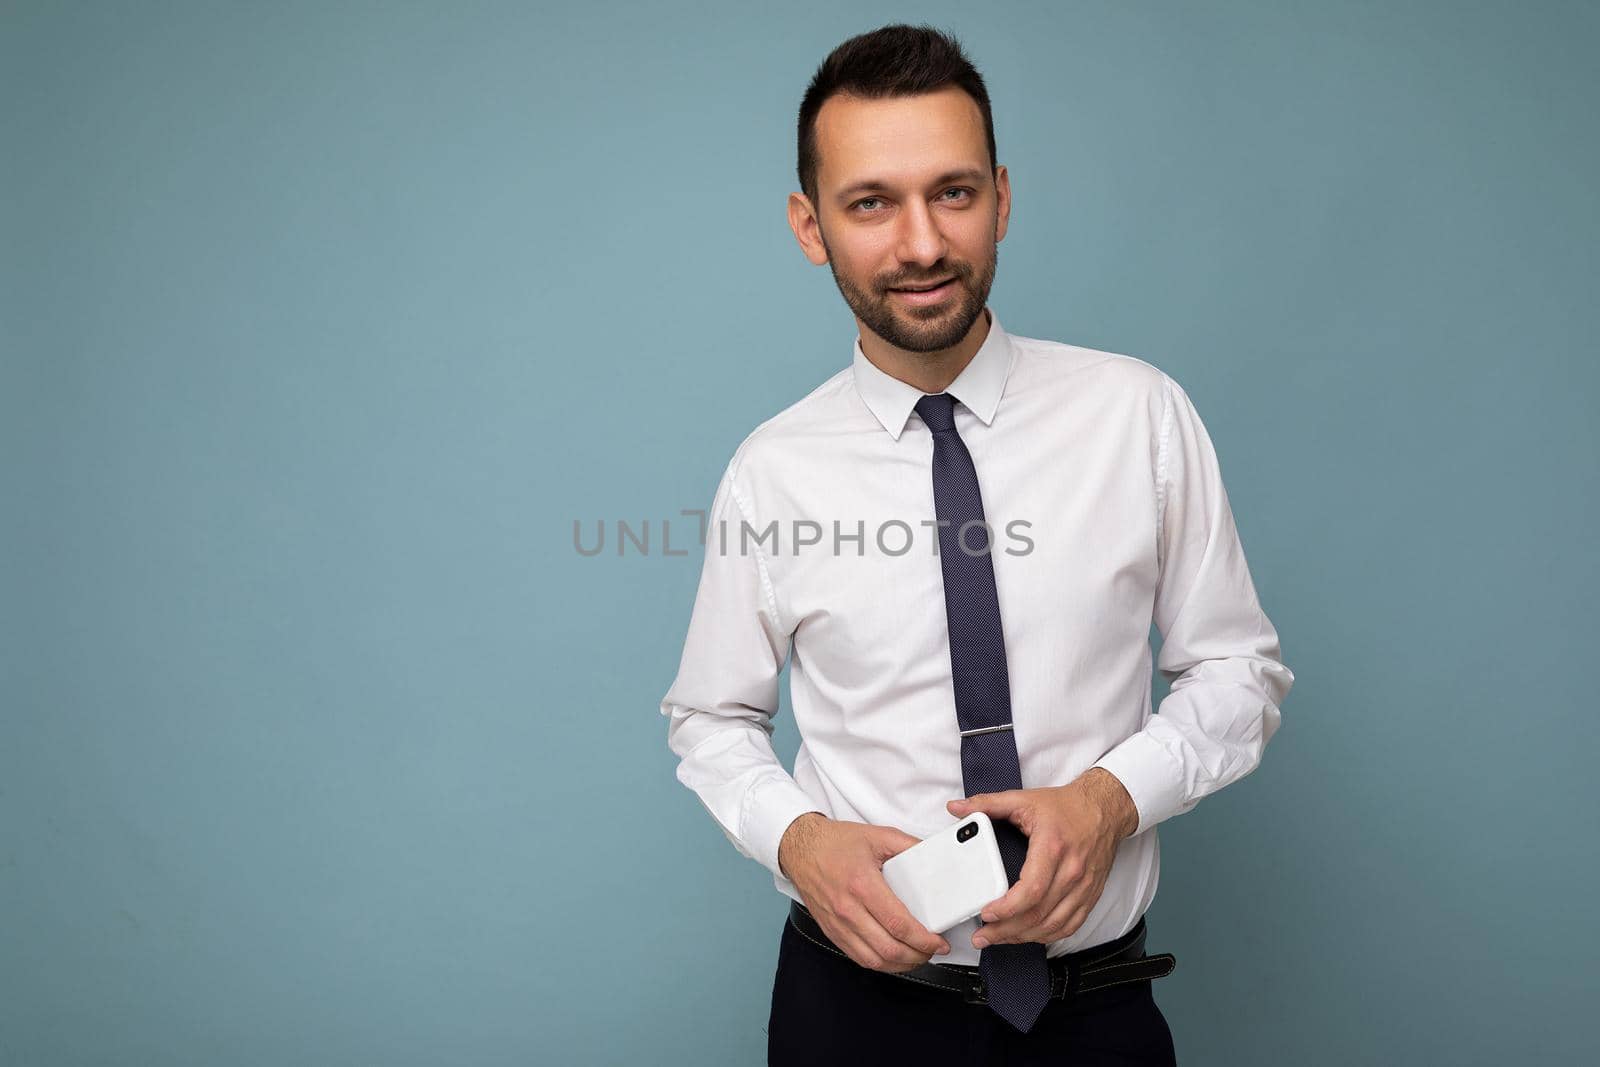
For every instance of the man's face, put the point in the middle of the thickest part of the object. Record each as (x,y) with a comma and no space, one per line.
(905,198)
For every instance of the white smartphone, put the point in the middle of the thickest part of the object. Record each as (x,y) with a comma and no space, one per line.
(947,878)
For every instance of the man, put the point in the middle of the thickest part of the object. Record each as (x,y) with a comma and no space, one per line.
(962,540)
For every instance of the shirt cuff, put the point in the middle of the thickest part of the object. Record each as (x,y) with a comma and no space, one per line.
(1151,776)
(771,807)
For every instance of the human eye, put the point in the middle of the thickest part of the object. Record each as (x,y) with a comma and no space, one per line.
(966,194)
(863,200)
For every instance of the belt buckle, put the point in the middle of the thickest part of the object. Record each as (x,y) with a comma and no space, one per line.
(975,994)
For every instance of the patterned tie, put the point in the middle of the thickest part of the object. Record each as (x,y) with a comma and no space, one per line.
(1015,978)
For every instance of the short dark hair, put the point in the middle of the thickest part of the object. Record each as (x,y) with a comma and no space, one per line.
(896,60)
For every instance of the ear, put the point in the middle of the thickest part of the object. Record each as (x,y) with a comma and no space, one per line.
(803,221)
(1002,188)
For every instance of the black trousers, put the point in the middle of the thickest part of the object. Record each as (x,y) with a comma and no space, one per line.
(829,1010)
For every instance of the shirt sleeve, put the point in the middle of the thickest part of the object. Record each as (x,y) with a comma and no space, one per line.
(721,703)
(1219,651)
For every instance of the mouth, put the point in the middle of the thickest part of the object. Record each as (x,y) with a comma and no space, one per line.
(926,293)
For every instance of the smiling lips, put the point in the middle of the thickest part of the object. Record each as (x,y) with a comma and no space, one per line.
(929,295)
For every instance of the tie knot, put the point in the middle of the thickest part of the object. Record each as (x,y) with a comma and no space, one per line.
(938,410)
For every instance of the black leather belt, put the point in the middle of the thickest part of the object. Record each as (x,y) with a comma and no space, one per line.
(1115,962)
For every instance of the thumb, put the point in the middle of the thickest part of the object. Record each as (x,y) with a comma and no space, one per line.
(889,841)
(1000,805)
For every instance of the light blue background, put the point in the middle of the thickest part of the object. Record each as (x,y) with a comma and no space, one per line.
(322,324)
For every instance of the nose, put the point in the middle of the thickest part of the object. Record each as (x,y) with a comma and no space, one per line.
(920,240)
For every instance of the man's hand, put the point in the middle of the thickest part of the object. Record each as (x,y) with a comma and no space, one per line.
(1073,831)
(838,869)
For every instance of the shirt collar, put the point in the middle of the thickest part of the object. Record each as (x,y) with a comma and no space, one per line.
(978,386)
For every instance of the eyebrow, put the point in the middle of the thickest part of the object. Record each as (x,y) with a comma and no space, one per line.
(971,174)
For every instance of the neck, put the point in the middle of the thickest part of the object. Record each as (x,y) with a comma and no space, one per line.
(930,372)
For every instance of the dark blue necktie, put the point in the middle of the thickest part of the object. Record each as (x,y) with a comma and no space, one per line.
(1015,978)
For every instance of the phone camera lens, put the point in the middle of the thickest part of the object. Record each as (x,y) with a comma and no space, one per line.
(967,832)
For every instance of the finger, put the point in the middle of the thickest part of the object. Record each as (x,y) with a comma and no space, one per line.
(1039,871)
(889,953)
(1032,923)
(1020,914)
(1081,895)
(1060,922)
(1050,925)
(898,922)
(843,934)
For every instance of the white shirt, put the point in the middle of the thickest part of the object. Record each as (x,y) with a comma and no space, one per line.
(1107,510)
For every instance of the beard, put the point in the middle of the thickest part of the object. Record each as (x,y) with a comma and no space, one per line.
(922,329)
